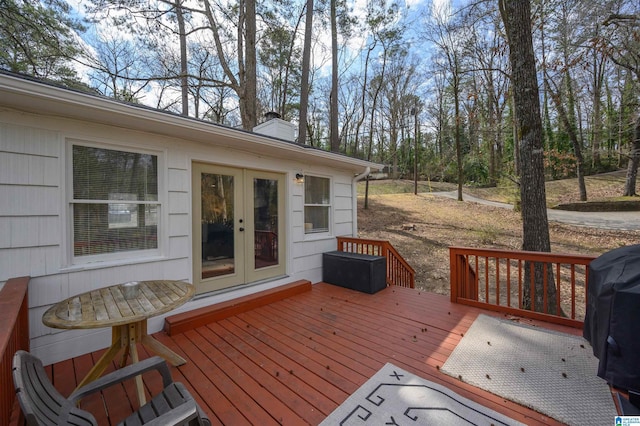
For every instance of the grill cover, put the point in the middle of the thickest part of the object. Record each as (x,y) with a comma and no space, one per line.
(612,321)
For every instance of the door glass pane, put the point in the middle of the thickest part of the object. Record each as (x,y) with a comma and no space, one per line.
(265,216)
(217,225)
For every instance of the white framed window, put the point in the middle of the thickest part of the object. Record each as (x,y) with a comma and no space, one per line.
(317,204)
(115,207)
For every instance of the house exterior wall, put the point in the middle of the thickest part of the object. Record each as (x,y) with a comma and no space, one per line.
(35,223)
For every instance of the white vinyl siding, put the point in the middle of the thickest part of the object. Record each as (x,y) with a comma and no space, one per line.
(36,221)
(29,190)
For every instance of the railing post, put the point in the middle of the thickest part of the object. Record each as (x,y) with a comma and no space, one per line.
(390,264)
(453,275)
(14,335)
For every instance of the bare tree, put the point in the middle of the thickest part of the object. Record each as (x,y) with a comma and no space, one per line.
(516,16)
(184,70)
(399,95)
(489,56)
(333,97)
(449,39)
(573,137)
(306,65)
(383,34)
(598,70)
(117,68)
(239,64)
(564,97)
(623,48)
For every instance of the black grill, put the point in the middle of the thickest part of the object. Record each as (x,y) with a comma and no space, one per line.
(612,321)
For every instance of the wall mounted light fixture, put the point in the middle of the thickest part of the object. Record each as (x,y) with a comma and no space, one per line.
(299,178)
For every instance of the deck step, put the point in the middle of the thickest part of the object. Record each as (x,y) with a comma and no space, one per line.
(182,322)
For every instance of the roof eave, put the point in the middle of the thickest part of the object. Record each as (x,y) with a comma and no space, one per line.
(37,97)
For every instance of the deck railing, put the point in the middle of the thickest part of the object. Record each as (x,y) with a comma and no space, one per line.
(399,272)
(14,335)
(495,279)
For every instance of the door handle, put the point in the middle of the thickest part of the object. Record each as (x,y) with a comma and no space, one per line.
(241,229)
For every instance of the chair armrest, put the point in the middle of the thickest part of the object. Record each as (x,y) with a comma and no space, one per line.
(125,373)
(179,415)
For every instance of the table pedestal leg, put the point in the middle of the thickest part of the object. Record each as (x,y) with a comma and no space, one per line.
(122,337)
(134,336)
(159,349)
(127,337)
(97,370)
(125,354)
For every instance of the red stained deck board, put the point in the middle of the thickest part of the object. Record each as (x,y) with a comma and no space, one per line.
(180,323)
(121,399)
(268,386)
(223,397)
(60,376)
(303,354)
(92,403)
(351,316)
(300,379)
(239,367)
(258,390)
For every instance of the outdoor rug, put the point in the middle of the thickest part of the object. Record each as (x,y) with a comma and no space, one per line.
(396,397)
(551,372)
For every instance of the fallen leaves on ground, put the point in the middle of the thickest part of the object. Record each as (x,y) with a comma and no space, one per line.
(440,223)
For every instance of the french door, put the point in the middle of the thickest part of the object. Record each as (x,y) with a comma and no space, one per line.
(238,226)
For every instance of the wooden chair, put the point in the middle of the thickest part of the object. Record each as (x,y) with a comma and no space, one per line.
(42,404)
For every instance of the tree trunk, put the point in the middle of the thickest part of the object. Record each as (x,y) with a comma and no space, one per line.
(245,83)
(573,137)
(247,90)
(456,100)
(366,193)
(374,103)
(492,140)
(304,78)
(184,81)
(548,130)
(250,119)
(416,156)
(363,104)
(516,15)
(598,80)
(634,159)
(439,135)
(333,119)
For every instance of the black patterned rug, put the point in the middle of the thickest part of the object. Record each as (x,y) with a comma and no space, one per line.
(394,396)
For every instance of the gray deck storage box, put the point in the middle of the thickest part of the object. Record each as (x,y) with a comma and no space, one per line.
(360,272)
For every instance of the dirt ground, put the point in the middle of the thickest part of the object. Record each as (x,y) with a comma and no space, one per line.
(441,223)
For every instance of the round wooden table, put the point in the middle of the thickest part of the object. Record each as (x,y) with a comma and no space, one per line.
(108,307)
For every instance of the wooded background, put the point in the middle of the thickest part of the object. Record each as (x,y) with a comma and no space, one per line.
(415,86)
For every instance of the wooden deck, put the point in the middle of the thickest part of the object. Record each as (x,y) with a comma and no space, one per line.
(295,360)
